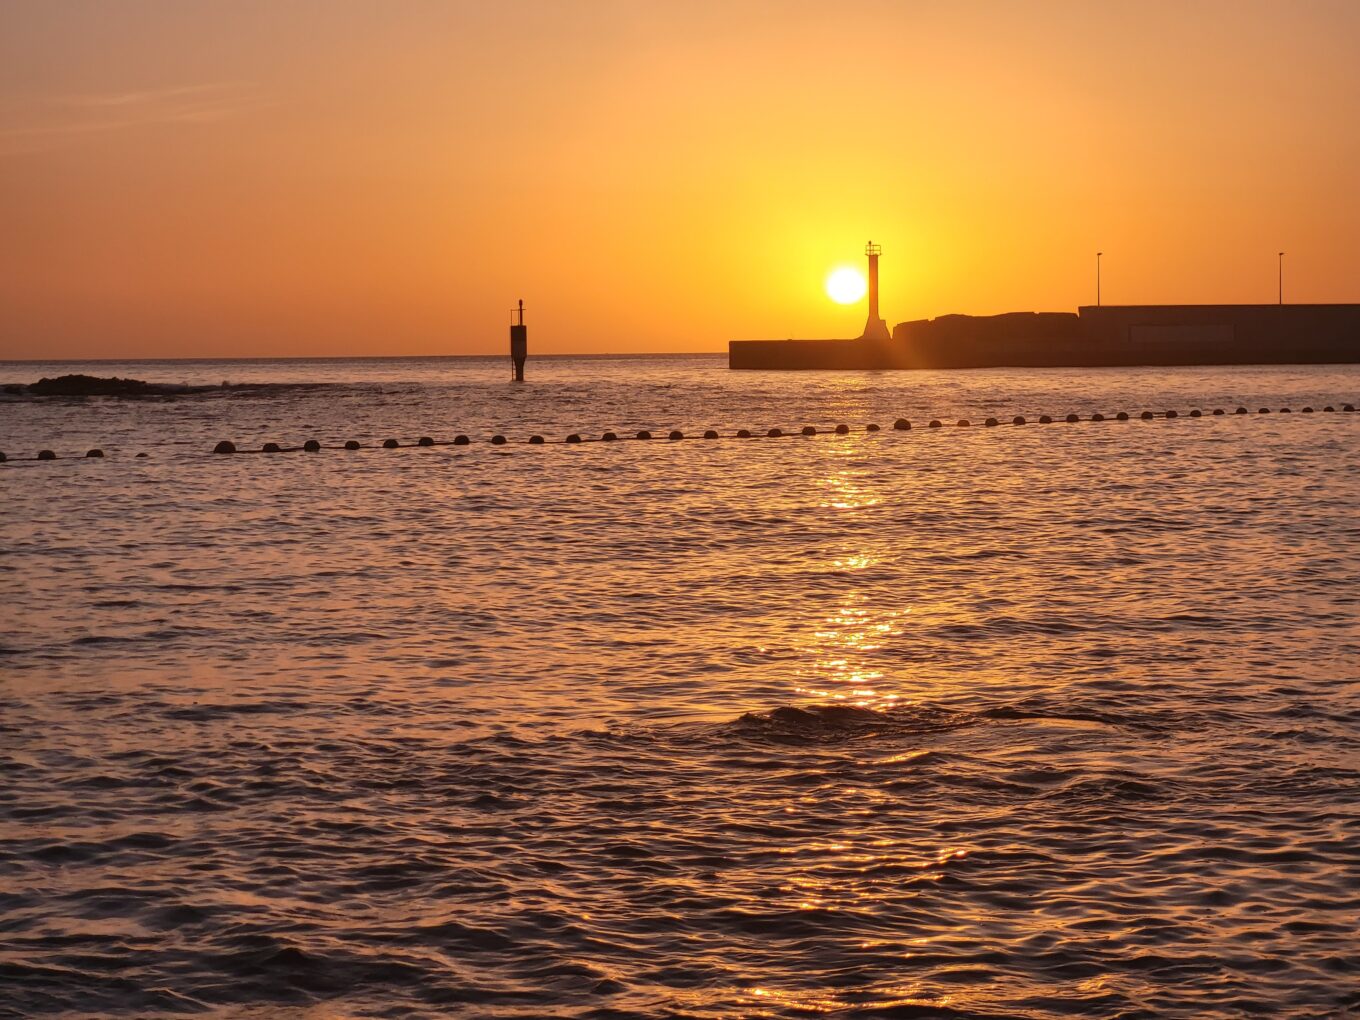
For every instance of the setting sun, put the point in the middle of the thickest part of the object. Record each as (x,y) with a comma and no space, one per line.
(845,286)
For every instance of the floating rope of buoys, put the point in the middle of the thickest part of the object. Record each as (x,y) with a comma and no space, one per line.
(711,434)
(352,444)
(775,433)
(425,441)
(1097,417)
(609,437)
(842,429)
(312,446)
(1045,420)
(270,448)
(1019,419)
(743,433)
(1122,416)
(1072,418)
(644,434)
(809,430)
(676,434)
(392,444)
(536,440)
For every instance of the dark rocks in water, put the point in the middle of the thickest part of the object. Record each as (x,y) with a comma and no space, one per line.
(91,386)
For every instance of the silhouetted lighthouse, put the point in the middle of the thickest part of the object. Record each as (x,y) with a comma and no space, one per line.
(519,342)
(875,328)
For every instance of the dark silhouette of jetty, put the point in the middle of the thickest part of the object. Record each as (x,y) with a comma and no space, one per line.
(1107,335)
(1093,336)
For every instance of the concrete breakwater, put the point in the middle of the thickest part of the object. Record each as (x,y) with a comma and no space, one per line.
(1093,336)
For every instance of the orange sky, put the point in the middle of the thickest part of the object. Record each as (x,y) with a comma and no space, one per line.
(333,178)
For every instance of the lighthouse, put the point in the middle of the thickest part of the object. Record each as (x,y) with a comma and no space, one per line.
(875,328)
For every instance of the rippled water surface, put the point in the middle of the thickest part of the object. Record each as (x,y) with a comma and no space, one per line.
(1042,721)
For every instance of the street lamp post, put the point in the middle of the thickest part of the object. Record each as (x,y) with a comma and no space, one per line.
(1098,254)
(1281,275)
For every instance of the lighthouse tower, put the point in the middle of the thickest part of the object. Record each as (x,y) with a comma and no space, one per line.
(875,328)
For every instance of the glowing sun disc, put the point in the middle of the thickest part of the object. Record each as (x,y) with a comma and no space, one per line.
(845,286)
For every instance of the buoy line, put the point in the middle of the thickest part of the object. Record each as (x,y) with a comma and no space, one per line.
(226,446)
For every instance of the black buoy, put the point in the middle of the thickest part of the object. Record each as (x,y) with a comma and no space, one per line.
(2,456)
(1146,416)
(351,444)
(676,434)
(1307,410)
(225,446)
(743,433)
(935,423)
(1072,418)
(1171,414)
(425,441)
(1122,416)
(1264,410)
(990,422)
(1285,410)
(1348,407)
(1196,413)
(842,429)
(609,437)
(390,444)
(535,440)
(1019,419)
(1218,411)
(871,427)
(775,433)
(270,448)
(1097,417)
(461,440)
(963,423)
(94,453)
(312,446)
(573,438)
(495,441)
(711,434)
(1045,420)
(809,430)
(902,425)
(644,434)
(1240,410)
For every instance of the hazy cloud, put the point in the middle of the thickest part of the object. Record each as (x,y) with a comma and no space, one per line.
(60,120)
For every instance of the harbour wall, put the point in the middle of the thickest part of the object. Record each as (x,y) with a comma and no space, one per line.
(1108,335)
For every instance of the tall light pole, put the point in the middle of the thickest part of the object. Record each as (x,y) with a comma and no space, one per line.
(1281,271)
(1098,254)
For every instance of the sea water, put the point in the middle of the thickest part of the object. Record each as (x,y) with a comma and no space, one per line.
(1027,721)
